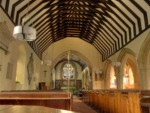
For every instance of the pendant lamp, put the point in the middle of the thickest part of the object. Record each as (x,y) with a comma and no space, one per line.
(24,32)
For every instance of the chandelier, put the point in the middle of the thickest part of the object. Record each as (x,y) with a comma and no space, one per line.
(24,32)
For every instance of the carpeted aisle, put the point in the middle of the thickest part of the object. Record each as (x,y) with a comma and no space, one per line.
(80,106)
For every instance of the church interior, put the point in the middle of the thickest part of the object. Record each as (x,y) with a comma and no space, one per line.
(68,56)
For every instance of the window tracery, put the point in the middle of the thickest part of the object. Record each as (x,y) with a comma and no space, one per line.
(68,71)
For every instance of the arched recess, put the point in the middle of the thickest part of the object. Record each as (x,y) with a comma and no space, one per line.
(21,63)
(127,56)
(81,60)
(144,63)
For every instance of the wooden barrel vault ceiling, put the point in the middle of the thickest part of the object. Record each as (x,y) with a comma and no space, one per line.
(108,25)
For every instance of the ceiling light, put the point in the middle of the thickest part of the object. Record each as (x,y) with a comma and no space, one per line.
(25,33)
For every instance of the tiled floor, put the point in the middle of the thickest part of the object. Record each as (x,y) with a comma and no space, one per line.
(80,106)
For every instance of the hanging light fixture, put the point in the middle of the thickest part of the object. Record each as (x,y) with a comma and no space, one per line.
(24,32)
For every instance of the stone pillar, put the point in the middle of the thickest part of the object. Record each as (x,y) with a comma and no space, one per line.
(118,77)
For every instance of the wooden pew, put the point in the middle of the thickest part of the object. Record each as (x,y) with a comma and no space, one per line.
(118,101)
(145,107)
(145,102)
(95,105)
(61,100)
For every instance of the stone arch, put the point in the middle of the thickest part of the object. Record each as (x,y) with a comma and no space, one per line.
(144,63)
(128,56)
(81,56)
(124,52)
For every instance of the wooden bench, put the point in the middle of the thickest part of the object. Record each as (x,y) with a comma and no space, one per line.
(117,101)
(145,102)
(145,107)
(61,100)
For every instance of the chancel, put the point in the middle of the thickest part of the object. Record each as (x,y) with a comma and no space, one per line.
(87,56)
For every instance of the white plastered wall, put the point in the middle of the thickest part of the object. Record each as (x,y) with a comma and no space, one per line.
(16,50)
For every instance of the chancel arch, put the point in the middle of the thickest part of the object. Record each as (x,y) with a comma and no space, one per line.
(129,74)
(68,72)
(80,70)
(80,56)
(107,71)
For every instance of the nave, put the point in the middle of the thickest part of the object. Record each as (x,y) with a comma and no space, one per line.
(102,101)
(56,100)
(51,50)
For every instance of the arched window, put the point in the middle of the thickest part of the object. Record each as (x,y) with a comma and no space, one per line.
(128,79)
(112,78)
(68,71)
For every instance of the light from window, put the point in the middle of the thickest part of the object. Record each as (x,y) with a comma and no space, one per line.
(112,78)
(68,71)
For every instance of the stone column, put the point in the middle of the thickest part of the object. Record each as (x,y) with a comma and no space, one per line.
(118,77)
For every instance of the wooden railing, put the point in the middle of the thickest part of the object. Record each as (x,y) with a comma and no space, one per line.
(60,100)
(145,102)
(117,101)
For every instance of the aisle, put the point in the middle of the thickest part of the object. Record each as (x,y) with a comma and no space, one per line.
(81,107)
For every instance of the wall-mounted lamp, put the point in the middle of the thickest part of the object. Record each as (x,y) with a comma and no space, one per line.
(46,62)
(99,72)
(116,64)
(99,75)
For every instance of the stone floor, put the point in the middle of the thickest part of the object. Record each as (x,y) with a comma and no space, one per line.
(81,107)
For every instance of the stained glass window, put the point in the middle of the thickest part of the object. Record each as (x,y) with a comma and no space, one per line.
(68,71)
